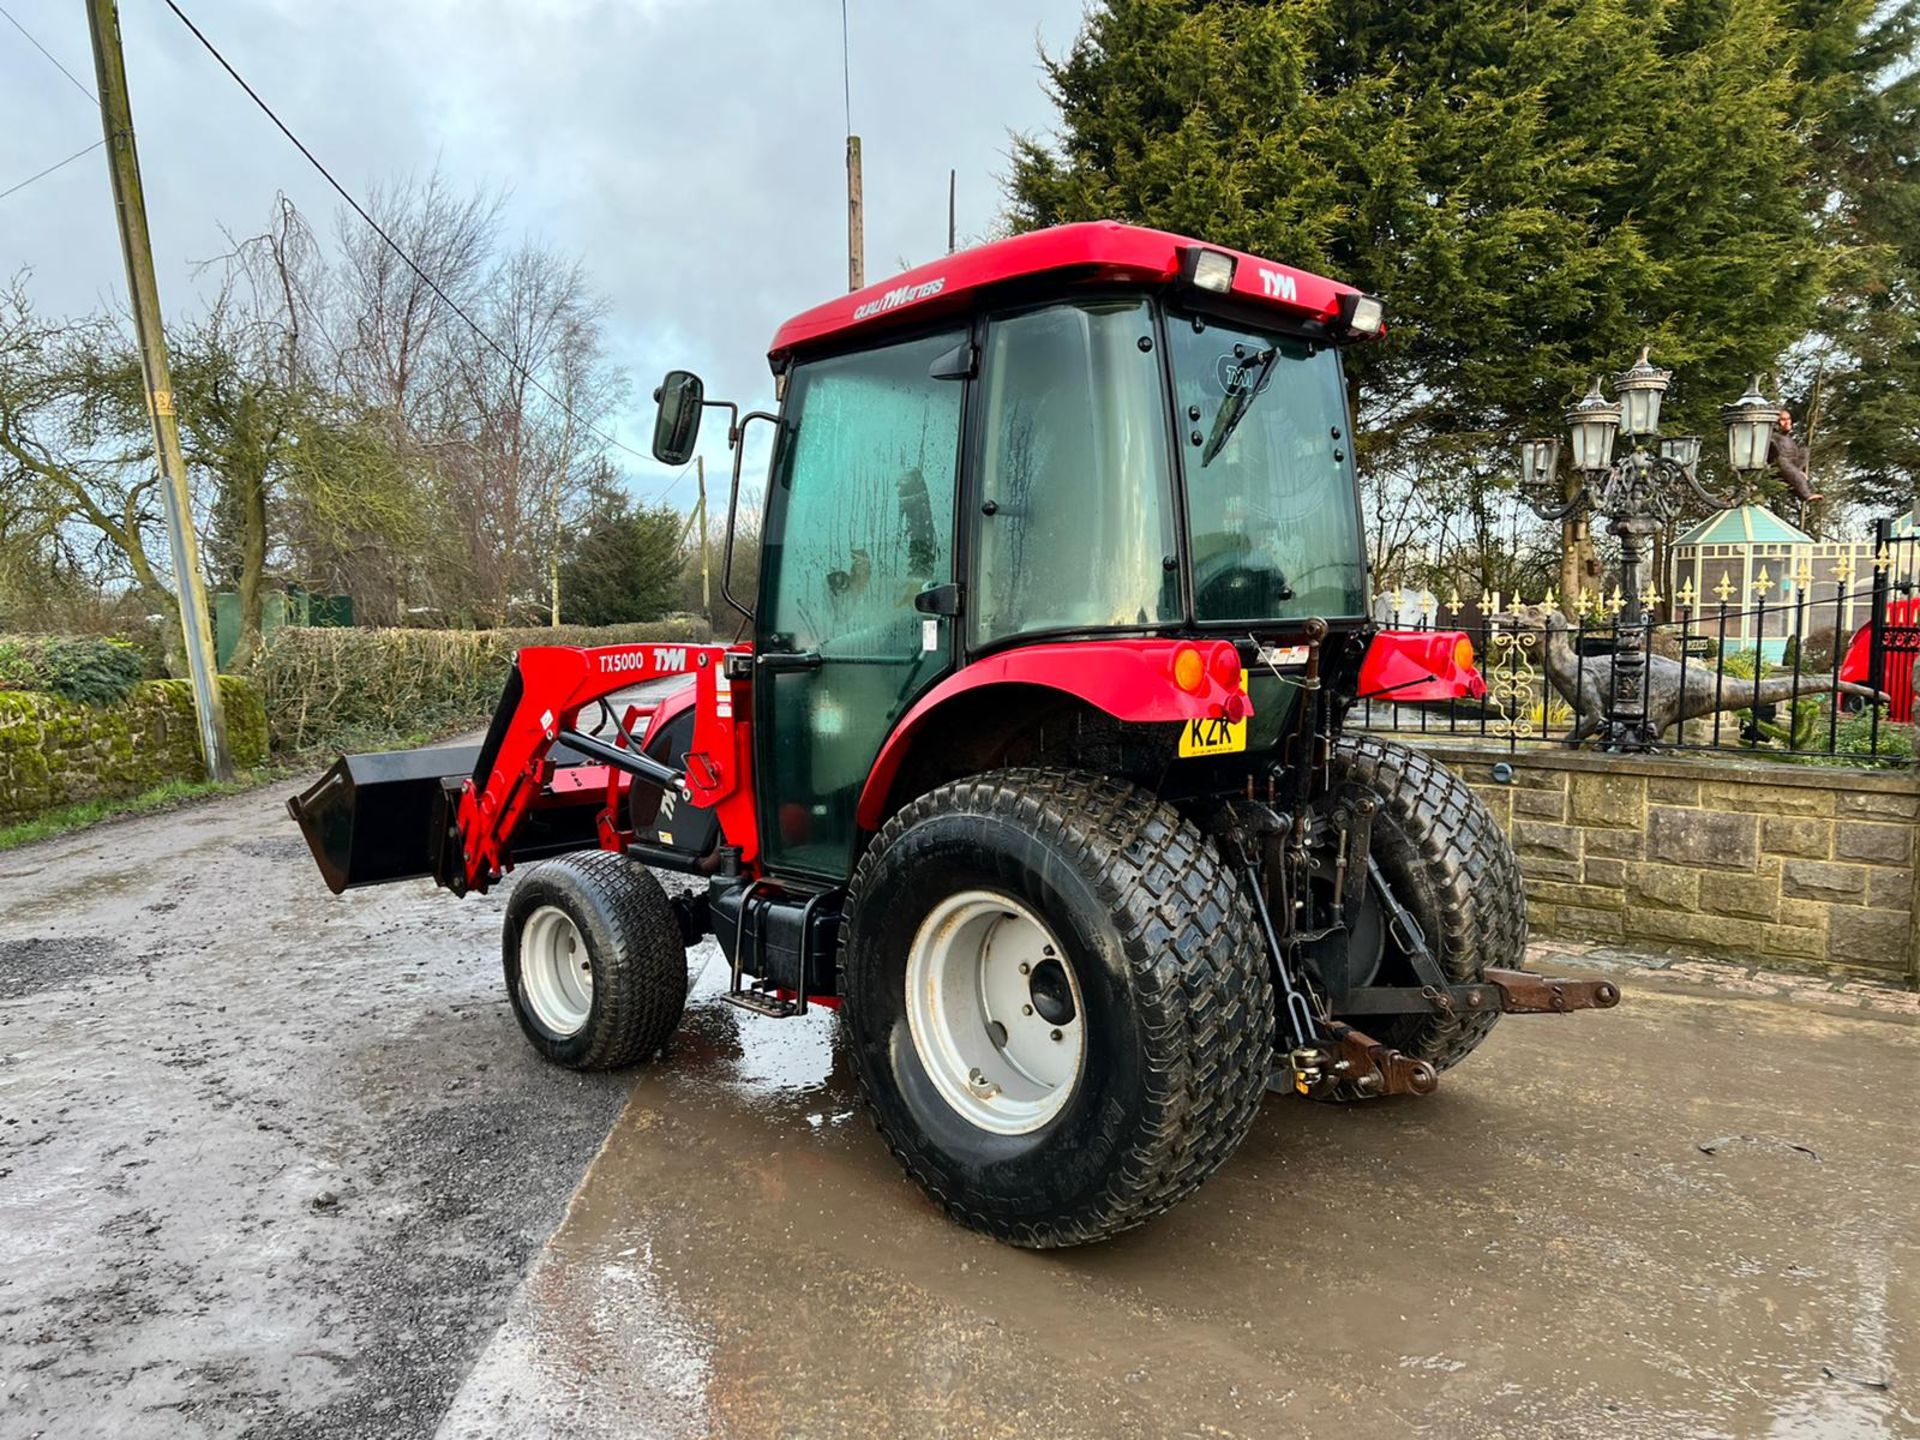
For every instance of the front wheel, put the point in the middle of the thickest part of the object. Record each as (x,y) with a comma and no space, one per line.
(595,965)
(1055,1002)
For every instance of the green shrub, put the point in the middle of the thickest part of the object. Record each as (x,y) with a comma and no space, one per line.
(17,668)
(1856,736)
(86,668)
(368,689)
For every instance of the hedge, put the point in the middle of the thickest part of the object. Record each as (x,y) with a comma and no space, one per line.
(87,668)
(365,689)
(56,752)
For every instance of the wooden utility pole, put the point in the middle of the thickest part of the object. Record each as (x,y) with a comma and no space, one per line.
(130,206)
(706,569)
(950,211)
(856,244)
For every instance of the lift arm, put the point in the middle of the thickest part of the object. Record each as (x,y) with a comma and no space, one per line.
(540,708)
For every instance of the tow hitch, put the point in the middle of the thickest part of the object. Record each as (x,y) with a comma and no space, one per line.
(1352,1058)
(1327,1056)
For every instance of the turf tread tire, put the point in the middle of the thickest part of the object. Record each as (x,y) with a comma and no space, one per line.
(1198,979)
(1450,864)
(634,941)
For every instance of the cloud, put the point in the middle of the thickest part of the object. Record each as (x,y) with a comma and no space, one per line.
(690,152)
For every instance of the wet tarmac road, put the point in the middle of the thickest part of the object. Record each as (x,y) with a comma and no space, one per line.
(1541,1249)
(276,1163)
(272,1161)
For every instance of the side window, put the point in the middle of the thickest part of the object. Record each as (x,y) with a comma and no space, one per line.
(862,517)
(859,522)
(1075,472)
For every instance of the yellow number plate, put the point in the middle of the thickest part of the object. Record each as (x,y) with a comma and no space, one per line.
(1213,735)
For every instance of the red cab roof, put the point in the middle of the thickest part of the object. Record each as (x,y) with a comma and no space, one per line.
(1102,249)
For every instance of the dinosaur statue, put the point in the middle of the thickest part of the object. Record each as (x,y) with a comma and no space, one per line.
(1673,695)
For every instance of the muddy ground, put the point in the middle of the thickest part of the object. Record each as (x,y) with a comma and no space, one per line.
(275,1163)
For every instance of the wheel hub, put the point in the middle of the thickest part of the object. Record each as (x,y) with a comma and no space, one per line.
(1052,992)
(995,1012)
(556,976)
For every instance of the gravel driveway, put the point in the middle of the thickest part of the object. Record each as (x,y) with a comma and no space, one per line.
(271,1160)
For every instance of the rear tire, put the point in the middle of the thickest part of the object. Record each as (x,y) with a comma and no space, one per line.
(1158,974)
(596,968)
(1446,859)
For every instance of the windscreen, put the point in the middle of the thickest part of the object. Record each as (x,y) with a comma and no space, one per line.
(1274,527)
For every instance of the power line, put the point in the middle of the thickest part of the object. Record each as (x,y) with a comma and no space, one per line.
(49,54)
(394,245)
(661,498)
(51,168)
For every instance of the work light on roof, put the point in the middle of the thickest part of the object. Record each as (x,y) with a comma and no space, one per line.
(1207,269)
(1362,314)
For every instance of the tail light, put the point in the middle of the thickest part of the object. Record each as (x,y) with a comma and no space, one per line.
(1226,666)
(1189,670)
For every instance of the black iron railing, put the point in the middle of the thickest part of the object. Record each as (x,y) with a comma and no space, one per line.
(1785,666)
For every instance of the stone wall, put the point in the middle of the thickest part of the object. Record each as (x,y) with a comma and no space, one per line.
(56,752)
(1796,864)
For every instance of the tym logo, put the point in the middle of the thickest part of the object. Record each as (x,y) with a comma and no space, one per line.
(1276,285)
(661,659)
(903,295)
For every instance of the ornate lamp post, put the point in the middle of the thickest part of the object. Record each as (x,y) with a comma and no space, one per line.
(1636,494)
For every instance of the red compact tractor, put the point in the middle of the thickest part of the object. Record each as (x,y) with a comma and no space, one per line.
(1034,765)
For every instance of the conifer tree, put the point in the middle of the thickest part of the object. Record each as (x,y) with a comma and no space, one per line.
(1536,190)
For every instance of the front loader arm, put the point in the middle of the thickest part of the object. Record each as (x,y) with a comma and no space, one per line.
(540,708)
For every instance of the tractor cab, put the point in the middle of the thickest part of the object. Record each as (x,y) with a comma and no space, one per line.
(1092,434)
(1033,763)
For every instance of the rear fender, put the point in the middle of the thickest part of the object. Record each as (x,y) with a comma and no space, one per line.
(1131,680)
(1410,665)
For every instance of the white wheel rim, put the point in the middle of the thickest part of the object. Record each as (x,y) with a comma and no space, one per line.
(995,1011)
(556,977)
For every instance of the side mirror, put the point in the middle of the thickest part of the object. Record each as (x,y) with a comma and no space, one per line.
(677,426)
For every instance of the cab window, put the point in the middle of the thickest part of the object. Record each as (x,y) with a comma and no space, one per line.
(1076,514)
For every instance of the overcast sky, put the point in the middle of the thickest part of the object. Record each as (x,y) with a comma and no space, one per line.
(689,151)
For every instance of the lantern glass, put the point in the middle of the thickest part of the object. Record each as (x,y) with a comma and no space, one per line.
(1592,424)
(1682,450)
(1539,462)
(1641,389)
(1750,421)
(1640,412)
(1748,442)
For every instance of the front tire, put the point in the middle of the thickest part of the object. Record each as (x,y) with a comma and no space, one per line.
(1139,955)
(596,968)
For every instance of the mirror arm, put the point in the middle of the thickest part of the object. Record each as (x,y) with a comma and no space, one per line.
(736,434)
(733,418)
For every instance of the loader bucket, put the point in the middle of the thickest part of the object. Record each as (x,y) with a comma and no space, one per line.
(375,818)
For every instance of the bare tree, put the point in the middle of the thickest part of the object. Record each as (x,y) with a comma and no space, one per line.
(73,472)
